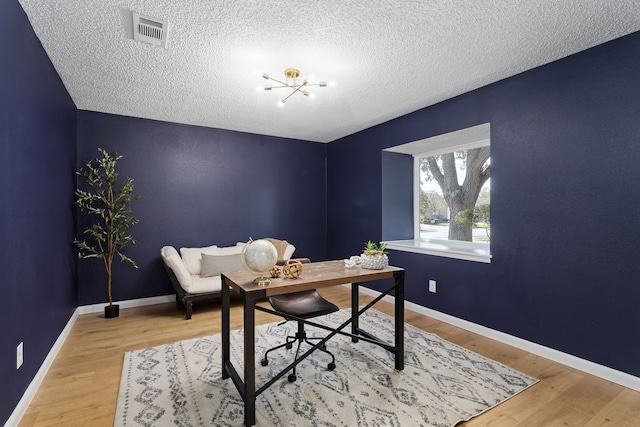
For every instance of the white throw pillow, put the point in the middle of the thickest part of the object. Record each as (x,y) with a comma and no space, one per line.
(214,265)
(289,251)
(193,256)
(172,259)
(229,250)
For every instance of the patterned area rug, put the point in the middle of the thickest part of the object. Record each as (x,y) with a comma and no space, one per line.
(442,384)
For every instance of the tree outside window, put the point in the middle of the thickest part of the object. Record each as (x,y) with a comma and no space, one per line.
(460,179)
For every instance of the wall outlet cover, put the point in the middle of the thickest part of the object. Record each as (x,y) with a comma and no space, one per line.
(432,286)
(19,355)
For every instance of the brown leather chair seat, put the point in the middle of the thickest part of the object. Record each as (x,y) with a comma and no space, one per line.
(305,304)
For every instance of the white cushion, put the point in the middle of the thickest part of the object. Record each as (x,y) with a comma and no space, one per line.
(192,258)
(214,265)
(174,262)
(201,285)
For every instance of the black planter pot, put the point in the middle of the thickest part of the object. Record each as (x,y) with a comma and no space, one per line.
(111,311)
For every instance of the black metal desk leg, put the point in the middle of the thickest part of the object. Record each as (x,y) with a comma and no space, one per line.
(226,304)
(399,306)
(249,360)
(355,294)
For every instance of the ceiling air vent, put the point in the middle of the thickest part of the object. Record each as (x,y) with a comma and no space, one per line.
(150,30)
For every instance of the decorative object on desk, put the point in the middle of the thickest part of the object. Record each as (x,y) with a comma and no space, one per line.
(350,263)
(374,256)
(441,385)
(292,268)
(259,257)
(275,272)
(109,205)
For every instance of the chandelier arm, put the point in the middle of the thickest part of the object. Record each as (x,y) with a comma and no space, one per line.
(283,100)
(296,90)
(282,83)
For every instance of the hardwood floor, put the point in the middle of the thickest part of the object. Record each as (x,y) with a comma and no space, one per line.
(81,386)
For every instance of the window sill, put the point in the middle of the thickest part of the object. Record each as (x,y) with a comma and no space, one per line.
(469,251)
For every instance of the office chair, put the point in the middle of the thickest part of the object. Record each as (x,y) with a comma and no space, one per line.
(305,304)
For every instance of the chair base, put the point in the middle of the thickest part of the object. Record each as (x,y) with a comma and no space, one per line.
(300,337)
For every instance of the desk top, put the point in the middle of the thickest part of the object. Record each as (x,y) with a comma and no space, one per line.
(314,275)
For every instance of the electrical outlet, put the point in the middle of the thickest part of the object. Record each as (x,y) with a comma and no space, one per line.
(19,355)
(432,286)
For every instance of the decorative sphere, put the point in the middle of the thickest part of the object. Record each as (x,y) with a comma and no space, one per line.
(259,256)
(292,268)
(275,271)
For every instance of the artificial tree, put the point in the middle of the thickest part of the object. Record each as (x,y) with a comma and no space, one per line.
(110,207)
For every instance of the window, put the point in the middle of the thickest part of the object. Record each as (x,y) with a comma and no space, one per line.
(451,195)
(454,195)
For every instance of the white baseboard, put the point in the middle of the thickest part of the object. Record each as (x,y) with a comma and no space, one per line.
(96,308)
(30,392)
(583,365)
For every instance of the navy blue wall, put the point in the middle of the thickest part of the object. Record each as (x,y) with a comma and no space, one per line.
(37,162)
(565,147)
(199,187)
(397,196)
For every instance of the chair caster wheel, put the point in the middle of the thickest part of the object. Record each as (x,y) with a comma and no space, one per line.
(292,378)
(289,346)
(331,366)
(264,362)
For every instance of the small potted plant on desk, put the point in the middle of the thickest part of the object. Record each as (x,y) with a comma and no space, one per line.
(374,256)
(113,216)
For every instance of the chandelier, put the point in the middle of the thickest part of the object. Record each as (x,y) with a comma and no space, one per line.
(291,75)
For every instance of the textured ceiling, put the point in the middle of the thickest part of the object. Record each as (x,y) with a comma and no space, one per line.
(387,58)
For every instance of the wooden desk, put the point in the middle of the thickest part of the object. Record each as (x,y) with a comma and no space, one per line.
(314,276)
